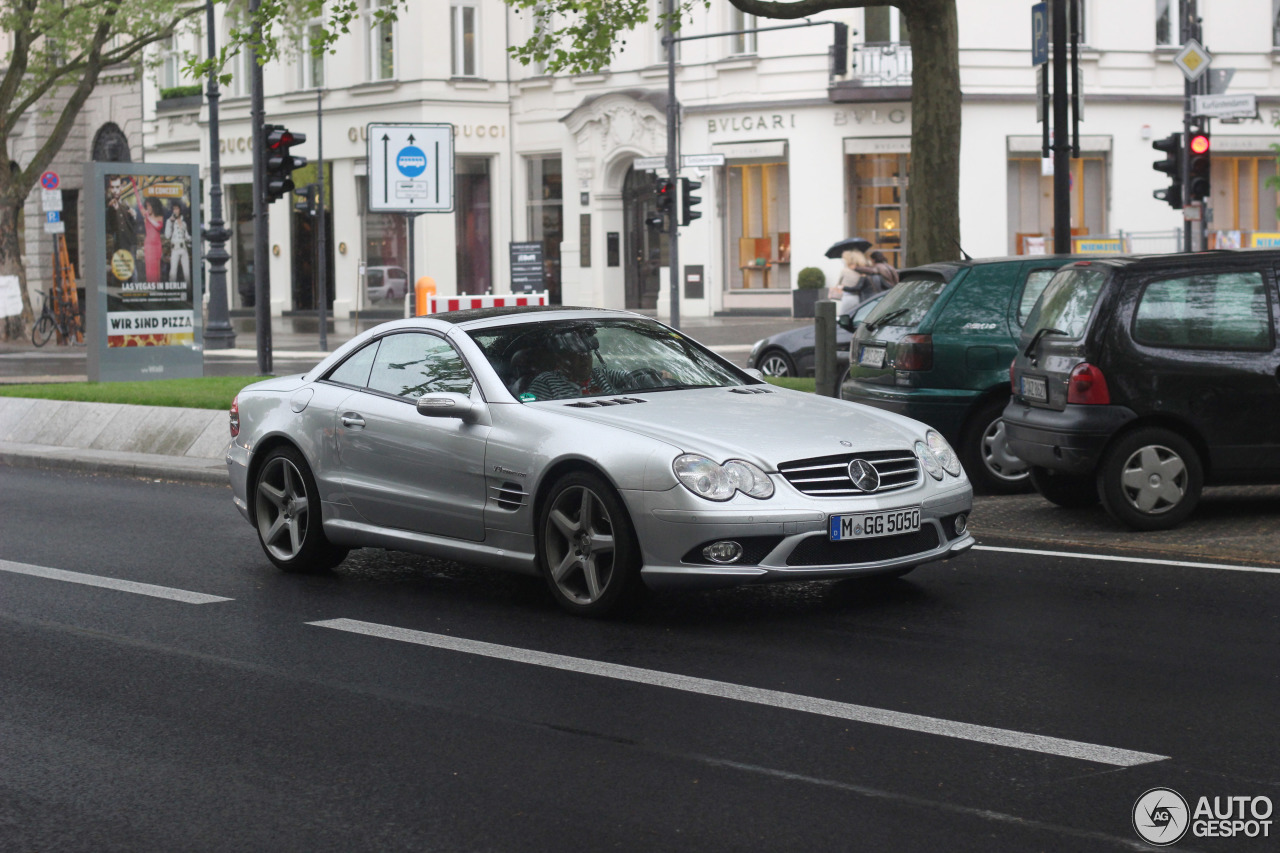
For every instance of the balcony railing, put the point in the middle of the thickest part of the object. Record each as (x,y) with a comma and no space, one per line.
(881,64)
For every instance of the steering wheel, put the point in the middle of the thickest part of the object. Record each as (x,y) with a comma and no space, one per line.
(645,377)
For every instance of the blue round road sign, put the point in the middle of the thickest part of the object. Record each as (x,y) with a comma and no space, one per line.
(411,161)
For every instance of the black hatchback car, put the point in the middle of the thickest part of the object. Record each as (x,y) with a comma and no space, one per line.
(1140,380)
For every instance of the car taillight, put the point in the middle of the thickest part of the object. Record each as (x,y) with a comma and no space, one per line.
(235,416)
(1087,385)
(915,352)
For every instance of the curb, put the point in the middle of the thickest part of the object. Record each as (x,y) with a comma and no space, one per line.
(139,465)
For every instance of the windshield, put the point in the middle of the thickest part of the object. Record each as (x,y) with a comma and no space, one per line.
(569,359)
(907,303)
(1067,302)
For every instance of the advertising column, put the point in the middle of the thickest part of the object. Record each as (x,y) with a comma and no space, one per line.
(145,283)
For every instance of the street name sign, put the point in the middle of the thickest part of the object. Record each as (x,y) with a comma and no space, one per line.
(1193,59)
(642,164)
(410,168)
(1224,106)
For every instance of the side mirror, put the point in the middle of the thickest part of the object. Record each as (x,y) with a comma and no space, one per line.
(447,405)
(753,373)
(845,321)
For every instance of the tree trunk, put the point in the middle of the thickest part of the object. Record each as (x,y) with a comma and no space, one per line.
(933,194)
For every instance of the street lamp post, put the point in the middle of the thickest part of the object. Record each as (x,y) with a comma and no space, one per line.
(218,331)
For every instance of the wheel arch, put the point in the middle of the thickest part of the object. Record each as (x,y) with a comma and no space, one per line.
(260,452)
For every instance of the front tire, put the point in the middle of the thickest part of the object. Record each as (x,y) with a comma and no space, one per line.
(986,455)
(775,362)
(587,548)
(1150,479)
(287,515)
(1071,491)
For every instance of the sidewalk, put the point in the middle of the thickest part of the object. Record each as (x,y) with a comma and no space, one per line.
(295,346)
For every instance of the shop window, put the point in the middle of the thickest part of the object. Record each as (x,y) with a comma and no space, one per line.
(1242,199)
(238,205)
(759,205)
(546,216)
(386,245)
(472,225)
(1031,202)
(877,201)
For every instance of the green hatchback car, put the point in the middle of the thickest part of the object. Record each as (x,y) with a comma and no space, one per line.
(938,348)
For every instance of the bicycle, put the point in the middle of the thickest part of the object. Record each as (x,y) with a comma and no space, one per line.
(50,321)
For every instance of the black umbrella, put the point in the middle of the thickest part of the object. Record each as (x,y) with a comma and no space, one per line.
(860,244)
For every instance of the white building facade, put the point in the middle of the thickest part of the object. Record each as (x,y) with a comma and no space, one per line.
(808,159)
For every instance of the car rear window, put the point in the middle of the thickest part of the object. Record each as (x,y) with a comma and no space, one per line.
(1211,311)
(1068,301)
(908,302)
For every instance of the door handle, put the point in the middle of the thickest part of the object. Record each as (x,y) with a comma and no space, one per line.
(352,420)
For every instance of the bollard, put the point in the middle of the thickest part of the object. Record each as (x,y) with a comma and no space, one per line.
(423,290)
(824,348)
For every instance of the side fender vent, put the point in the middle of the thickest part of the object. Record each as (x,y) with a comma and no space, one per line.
(595,404)
(509,496)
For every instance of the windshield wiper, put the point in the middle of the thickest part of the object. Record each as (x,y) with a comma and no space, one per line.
(1035,339)
(871,327)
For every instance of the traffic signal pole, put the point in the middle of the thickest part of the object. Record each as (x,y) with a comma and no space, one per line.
(673,164)
(1061,139)
(261,259)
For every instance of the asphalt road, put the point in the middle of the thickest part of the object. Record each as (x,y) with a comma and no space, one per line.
(999,701)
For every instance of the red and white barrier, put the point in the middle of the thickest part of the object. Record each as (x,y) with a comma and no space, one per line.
(438,304)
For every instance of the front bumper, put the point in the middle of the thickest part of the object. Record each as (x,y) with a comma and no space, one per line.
(788,540)
(1070,440)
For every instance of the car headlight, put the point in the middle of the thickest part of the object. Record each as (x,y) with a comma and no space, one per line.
(716,482)
(928,460)
(755,350)
(946,456)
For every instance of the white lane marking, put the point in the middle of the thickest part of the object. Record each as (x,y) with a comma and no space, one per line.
(758,696)
(111,583)
(1226,567)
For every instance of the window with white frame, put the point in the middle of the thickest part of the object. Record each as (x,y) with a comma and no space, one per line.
(1275,23)
(382,43)
(463,24)
(310,64)
(239,65)
(170,65)
(660,32)
(884,25)
(1168,23)
(742,42)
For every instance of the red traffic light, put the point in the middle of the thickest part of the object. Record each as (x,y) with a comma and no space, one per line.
(1199,144)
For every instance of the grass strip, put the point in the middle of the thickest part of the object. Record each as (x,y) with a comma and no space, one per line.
(207,392)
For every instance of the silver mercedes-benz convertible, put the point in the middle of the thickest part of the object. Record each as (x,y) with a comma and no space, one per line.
(600,449)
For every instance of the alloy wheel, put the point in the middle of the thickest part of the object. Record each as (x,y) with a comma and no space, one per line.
(579,542)
(775,364)
(282,509)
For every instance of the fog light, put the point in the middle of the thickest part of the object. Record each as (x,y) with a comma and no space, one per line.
(962,524)
(727,551)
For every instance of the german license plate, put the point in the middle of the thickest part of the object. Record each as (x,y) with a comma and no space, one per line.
(871,357)
(889,522)
(1034,389)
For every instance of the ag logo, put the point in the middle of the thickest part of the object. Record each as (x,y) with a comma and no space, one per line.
(1160,817)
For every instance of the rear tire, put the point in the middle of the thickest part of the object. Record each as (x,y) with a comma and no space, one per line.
(987,459)
(1150,479)
(287,515)
(587,547)
(42,330)
(1071,491)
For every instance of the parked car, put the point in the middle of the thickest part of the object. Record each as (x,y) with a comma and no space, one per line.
(383,283)
(1141,380)
(599,449)
(937,348)
(790,353)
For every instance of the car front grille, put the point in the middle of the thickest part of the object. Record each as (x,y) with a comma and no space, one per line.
(828,476)
(821,551)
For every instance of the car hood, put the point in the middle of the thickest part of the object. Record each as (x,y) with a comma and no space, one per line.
(766,428)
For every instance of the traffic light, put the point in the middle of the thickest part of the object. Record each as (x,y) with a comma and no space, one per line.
(840,51)
(689,201)
(280,163)
(308,203)
(1171,165)
(1198,165)
(666,193)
